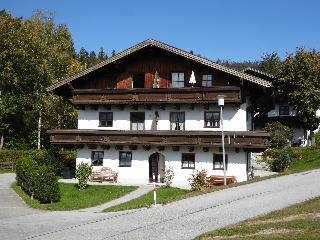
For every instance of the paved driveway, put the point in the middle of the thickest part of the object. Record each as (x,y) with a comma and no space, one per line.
(180,220)
(11,205)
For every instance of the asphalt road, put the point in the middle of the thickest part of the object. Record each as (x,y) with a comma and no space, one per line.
(184,219)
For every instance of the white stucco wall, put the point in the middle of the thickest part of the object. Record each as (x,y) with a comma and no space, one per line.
(138,173)
(235,118)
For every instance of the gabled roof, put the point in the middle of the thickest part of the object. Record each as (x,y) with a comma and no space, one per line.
(259,73)
(152,42)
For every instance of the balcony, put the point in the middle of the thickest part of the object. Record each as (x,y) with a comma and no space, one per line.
(246,139)
(155,95)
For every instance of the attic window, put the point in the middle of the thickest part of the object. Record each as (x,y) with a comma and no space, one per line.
(207,80)
(138,80)
(177,80)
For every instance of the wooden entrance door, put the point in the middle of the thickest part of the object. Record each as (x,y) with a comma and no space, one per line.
(153,166)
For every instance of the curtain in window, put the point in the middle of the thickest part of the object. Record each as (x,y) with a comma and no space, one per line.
(177,117)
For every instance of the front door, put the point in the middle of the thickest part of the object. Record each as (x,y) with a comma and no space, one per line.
(153,166)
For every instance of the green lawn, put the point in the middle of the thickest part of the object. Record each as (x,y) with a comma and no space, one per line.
(72,198)
(164,195)
(6,171)
(301,221)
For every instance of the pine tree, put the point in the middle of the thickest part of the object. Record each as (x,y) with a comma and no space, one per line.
(102,55)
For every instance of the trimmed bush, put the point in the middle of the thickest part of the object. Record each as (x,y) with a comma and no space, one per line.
(47,187)
(55,159)
(37,181)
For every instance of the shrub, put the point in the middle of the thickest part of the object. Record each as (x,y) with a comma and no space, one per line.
(47,187)
(83,173)
(26,171)
(37,181)
(280,135)
(168,176)
(55,159)
(198,180)
(277,159)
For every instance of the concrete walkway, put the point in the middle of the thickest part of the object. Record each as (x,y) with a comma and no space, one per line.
(11,205)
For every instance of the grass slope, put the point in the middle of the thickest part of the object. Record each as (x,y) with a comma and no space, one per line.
(304,159)
(72,198)
(300,221)
(164,195)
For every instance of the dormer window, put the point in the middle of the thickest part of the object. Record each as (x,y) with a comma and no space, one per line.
(177,80)
(283,110)
(207,80)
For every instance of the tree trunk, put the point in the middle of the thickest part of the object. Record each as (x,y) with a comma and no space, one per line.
(1,141)
(39,131)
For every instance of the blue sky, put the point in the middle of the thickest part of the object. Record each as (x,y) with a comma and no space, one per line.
(231,29)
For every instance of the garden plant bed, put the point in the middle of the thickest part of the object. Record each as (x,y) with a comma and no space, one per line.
(300,221)
(72,198)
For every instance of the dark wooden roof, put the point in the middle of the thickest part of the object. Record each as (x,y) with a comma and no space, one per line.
(258,73)
(152,42)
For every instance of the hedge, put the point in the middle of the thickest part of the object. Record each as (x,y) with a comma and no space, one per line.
(38,181)
(56,159)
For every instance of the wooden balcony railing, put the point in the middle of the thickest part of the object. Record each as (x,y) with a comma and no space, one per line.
(158,95)
(245,139)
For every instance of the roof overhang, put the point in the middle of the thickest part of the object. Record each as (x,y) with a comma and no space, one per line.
(166,47)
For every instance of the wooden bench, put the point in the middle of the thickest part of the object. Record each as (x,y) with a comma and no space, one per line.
(217,180)
(104,174)
(7,165)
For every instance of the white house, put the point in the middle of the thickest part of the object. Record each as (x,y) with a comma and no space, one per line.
(138,114)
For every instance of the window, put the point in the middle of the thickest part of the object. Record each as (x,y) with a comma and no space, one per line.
(218,162)
(97,158)
(211,119)
(207,80)
(177,80)
(125,159)
(187,160)
(283,110)
(177,121)
(137,120)
(105,119)
(138,80)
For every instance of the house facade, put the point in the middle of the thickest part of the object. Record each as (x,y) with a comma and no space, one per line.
(139,114)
